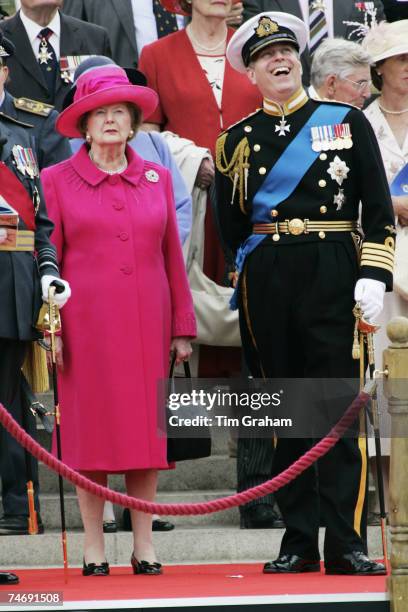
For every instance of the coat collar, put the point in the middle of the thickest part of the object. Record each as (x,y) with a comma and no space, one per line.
(92,175)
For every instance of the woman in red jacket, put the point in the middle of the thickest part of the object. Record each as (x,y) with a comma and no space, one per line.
(200,95)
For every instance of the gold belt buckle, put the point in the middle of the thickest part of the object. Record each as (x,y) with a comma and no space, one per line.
(296,227)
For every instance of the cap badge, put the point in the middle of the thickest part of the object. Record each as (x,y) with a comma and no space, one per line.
(152,176)
(3,52)
(266,27)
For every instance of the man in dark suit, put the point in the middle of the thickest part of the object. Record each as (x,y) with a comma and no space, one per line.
(337,11)
(51,148)
(48,45)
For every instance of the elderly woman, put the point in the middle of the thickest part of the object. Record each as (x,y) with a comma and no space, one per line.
(200,95)
(388,114)
(117,239)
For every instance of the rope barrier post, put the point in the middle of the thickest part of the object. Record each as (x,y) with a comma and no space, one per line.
(395,366)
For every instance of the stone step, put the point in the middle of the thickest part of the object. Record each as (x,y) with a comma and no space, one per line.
(50,512)
(215,472)
(183,545)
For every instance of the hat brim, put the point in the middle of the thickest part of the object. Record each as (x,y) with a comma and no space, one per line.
(239,38)
(397,50)
(143,97)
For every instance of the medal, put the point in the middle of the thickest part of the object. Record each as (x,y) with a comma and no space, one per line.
(43,54)
(316,144)
(283,127)
(339,199)
(338,170)
(68,65)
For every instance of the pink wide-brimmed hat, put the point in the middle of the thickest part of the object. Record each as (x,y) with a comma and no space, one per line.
(174,6)
(100,87)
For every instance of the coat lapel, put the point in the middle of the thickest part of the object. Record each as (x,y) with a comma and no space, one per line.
(124,12)
(24,52)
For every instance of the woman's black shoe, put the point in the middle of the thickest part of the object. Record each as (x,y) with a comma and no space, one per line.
(110,527)
(95,569)
(144,567)
(8,578)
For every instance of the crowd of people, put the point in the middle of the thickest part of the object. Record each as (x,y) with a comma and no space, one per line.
(138,136)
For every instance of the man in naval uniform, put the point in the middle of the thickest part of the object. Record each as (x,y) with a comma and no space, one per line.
(28,264)
(290,178)
(51,148)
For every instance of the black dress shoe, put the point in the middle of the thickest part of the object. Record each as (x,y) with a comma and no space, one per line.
(17,524)
(355,563)
(110,527)
(291,564)
(95,569)
(8,578)
(144,567)
(159,525)
(261,516)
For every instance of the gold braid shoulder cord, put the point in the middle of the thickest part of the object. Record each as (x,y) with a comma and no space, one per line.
(236,169)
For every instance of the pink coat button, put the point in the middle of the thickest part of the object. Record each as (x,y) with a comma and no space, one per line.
(124,236)
(118,205)
(126,269)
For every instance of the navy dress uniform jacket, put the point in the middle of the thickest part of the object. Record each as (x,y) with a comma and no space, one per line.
(51,147)
(20,271)
(313,198)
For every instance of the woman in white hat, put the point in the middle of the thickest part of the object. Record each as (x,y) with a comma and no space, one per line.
(388,114)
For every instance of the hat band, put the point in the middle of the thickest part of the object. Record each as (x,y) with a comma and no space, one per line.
(249,50)
(91,84)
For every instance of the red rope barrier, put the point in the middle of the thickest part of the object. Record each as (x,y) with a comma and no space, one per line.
(216,505)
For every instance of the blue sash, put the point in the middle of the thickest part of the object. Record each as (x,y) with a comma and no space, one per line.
(284,177)
(399,185)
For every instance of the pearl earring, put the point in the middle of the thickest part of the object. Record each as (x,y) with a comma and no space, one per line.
(88,138)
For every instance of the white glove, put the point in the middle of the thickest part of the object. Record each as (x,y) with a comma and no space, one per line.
(3,235)
(59,298)
(370,294)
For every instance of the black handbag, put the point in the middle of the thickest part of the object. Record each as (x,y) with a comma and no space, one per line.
(184,446)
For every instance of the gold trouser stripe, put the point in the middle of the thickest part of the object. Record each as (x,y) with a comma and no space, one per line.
(24,242)
(362,491)
(247,318)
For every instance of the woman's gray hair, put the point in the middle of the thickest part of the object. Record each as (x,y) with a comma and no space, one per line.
(337,56)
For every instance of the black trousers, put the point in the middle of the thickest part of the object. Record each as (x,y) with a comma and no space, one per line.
(13,463)
(296,302)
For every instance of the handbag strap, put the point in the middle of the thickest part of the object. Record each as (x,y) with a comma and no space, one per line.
(187,370)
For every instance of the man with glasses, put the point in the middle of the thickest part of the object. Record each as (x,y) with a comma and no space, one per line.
(341,71)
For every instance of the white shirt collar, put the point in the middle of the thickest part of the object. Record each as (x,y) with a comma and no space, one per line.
(33,29)
(2,97)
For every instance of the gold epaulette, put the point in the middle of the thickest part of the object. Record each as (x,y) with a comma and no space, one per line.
(14,120)
(236,169)
(33,106)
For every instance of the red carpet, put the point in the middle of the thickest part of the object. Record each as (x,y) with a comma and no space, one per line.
(187,582)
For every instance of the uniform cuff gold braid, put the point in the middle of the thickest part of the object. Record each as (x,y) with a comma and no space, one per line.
(378,255)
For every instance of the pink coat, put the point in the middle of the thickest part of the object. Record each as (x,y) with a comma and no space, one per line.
(119,249)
